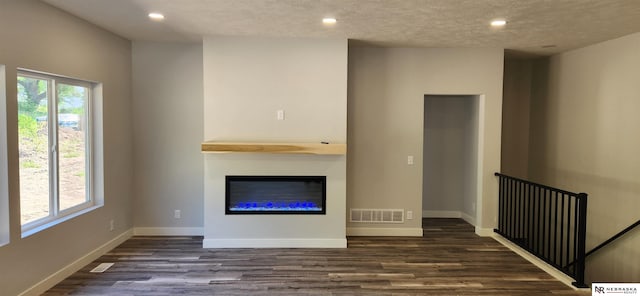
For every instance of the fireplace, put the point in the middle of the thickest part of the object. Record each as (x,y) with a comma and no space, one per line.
(269,195)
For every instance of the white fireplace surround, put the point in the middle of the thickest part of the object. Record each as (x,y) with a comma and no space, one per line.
(274,231)
(247,83)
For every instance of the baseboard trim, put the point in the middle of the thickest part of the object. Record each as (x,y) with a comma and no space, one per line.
(449,214)
(70,269)
(441,214)
(274,243)
(369,231)
(470,219)
(166,231)
(486,232)
(537,262)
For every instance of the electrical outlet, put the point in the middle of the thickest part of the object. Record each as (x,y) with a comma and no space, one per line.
(280,115)
(409,215)
(176,214)
(410,160)
(112,225)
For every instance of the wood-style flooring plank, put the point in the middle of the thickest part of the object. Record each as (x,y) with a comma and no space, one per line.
(448,260)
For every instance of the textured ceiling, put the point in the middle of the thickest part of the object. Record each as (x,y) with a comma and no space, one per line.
(535,26)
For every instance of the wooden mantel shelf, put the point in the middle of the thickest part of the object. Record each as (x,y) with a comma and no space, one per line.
(291,148)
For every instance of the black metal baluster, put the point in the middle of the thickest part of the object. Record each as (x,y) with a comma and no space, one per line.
(571,235)
(562,238)
(581,229)
(513,210)
(541,226)
(503,189)
(538,220)
(516,204)
(544,221)
(549,250)
(530,212)
(500,204)
(520,222)
(555,229)
(510,206)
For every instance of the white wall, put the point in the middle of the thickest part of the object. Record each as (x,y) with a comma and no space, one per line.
(584,137)
(168,126)
(246,80)
(386,103)
(36,36)
(450,156)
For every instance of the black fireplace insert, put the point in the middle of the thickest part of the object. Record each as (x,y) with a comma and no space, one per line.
(275,195)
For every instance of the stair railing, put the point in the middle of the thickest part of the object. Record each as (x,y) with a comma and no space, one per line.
(548,222)
(610,240)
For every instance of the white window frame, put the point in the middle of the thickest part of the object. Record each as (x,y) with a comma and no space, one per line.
(4,167)
(55,214)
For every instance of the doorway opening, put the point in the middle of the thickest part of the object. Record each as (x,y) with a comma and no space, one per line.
(451,157)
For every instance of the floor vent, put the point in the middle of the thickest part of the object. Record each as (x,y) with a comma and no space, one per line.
(102,267)
(377,215)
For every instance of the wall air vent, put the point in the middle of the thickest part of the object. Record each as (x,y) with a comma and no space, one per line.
(377,215)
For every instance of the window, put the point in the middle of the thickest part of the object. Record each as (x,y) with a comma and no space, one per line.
(55,147)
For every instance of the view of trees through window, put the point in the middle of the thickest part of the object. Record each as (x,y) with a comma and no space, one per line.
(52,129)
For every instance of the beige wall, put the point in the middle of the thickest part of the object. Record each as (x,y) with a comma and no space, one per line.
(246,80)
(515,117)
(168,127)
(584,137)
(386,105)
(35,36)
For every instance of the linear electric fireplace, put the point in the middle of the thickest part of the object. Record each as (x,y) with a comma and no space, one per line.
(275,195)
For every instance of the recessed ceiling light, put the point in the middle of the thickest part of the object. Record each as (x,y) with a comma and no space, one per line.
(329,21)
(498,23)
(156,16)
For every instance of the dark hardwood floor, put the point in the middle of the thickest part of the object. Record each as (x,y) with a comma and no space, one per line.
(449,260)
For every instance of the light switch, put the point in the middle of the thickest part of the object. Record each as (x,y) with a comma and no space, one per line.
(280,114)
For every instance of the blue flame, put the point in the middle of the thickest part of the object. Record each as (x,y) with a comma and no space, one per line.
(300,206)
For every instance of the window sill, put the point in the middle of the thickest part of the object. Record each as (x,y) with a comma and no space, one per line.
(57,221)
